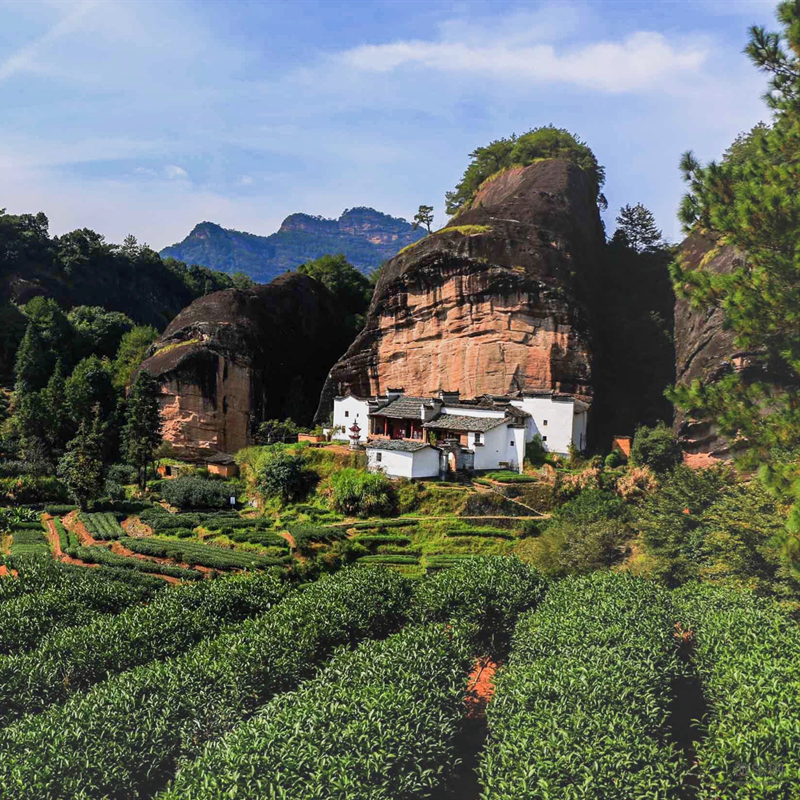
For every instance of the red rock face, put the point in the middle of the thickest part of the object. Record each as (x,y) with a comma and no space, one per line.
(235,358)
(492,303)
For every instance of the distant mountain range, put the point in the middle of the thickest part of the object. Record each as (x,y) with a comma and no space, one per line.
(365,236)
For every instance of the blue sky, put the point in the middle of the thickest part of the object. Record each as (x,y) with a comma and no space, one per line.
(148,117)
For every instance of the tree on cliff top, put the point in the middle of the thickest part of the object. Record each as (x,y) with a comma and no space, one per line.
(751,202)
(351,289)
(536,144)
(637,229)
(424,216)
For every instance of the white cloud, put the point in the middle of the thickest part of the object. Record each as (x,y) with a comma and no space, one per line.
(245,180)
(174,172)
(636,63)
(25,59)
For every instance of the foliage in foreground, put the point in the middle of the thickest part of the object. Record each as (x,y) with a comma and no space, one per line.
(488,592)
(363,494)
(747,654)
(751,202)
(581,711)
(73,660)
(75,599)
(139,724)
(379,723)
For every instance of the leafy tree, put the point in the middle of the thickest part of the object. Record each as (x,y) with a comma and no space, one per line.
(746,145)
(31,368)
(241,280)
(353,491)
(141,434)
(97,331)
(657,448)
(424,216)
(88,386)
(81,467)
(350,288)
(12,329)
(273,431)
(538,143)
(751,202)
(131,353)
(637,228)
(703,524)
(286,476)
(57,424)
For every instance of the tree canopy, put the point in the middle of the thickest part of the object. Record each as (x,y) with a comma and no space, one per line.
(351,289)
(750,201)
(538,143)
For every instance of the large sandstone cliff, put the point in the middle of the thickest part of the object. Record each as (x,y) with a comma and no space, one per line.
(704,349)
(492,303)
(234,358)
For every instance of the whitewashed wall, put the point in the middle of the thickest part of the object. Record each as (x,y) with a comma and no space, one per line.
(500,444)
(551,419)
(397,464)
(346,411)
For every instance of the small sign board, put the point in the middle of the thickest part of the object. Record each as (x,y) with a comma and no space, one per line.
(233,501)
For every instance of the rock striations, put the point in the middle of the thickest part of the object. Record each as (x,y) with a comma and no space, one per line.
(704,349)
(234,358)
(493,303)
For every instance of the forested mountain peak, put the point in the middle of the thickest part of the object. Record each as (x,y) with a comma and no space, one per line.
(365,236)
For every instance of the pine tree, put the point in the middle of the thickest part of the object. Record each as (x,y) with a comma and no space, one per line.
(637,229)
(81,467)
(752,203)
(57,419)
(31,368)
(424,216)
(141,434)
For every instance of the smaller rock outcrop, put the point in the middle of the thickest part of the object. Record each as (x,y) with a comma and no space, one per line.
(705,349)
(235,358)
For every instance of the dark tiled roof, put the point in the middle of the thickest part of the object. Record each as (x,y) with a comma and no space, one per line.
(220,458)
(399,445)
(455,422)
(403,408)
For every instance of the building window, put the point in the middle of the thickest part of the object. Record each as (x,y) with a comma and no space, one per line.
(347,414)
(477,438)
(379,456)
(511,444)
(544,422)
(544,438)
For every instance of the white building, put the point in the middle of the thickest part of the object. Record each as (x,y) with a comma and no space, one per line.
(559,420)
(401,458)
(346,411)
(421,436)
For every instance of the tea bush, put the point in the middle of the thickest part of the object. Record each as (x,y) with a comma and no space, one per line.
(101,555)
(582,708)
(746,651)
(379,723)
(192,698)
(197,554)
(487,592)
(74,601)
(73,660)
